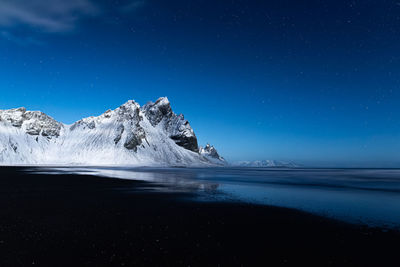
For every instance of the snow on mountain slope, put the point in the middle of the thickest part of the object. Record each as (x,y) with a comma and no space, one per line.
(129,135)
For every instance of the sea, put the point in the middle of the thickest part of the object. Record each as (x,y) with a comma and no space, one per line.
(368,197)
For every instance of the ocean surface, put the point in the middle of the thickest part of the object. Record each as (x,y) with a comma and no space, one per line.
(361,196)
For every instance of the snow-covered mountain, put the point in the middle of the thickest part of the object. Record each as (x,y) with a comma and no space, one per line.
(266,164)
(211,154)
(129,135)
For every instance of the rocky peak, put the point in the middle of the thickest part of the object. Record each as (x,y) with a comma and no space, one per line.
(176,127)
(210,151)
(39,123)
(124,121)
(13,116)
(212,155)
(135,134)
(156,112)
(128,112)
(86,123)
(34,122)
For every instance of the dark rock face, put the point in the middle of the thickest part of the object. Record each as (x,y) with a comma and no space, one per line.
(120,130)
(32,130)
(14,147)
(156,112)
(134,140)
(189,143)
(177,128)
(130,113)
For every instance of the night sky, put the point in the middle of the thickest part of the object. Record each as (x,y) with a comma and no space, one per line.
(315,82)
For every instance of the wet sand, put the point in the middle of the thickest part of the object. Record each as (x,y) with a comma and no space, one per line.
(76,220)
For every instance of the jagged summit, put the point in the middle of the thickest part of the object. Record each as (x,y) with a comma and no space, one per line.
(128,135)
(212,154)
(160,114)
(32,122)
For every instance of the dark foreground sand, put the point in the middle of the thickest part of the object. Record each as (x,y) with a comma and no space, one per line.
(69,220)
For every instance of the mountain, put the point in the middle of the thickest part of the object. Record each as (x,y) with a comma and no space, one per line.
(129,135)
(266,164)
(212,155)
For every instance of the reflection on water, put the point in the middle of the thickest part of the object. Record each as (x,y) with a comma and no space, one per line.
(368,196)
(169,180)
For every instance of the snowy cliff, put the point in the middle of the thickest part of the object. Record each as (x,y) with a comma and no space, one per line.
(129,135)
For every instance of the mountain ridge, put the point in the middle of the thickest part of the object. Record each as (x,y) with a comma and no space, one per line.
(128,135)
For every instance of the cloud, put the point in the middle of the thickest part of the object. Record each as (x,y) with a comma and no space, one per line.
(25,21)
(46,15)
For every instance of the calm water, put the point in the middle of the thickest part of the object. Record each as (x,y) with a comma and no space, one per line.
(366,196)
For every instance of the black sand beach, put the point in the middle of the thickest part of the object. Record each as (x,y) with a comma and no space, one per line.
(76,220)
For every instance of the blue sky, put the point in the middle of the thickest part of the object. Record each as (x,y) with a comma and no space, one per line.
(315,82)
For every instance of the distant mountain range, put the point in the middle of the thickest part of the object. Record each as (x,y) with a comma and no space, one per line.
(266,164)
(129,135)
